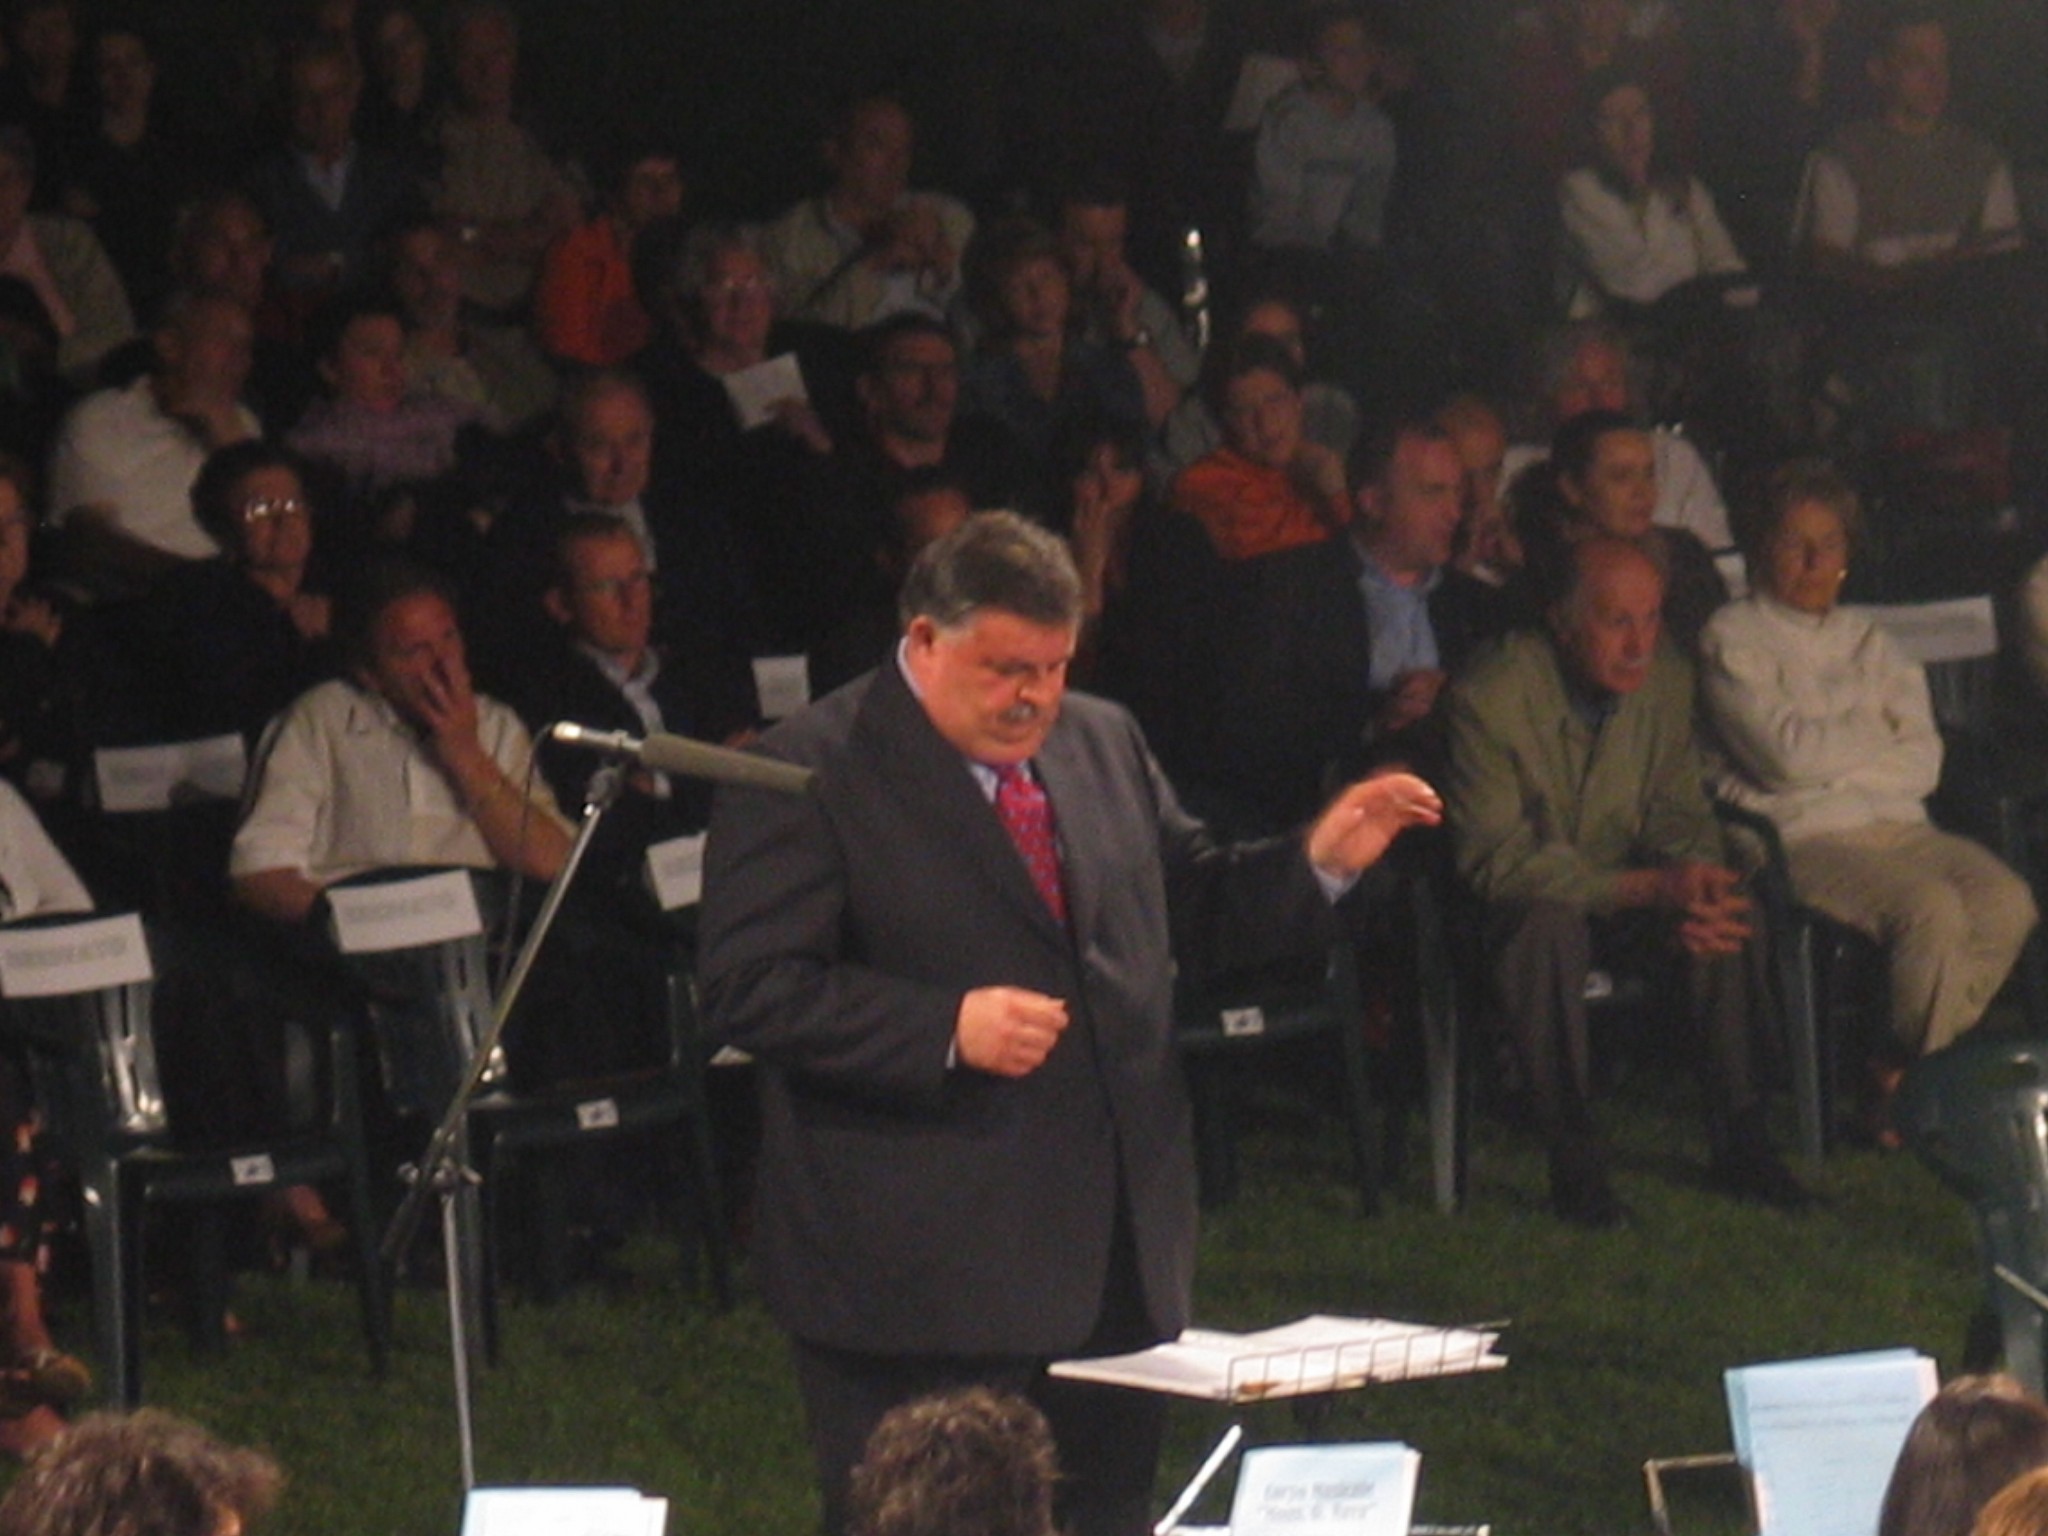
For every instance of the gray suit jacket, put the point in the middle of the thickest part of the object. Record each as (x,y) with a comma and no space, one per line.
(909,1208)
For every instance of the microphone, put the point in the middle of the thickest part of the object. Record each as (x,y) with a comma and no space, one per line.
(665,753)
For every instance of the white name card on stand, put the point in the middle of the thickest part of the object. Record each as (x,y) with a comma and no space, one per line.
(782,684)
(675,871)
(403,914)
(158,777)
(556,1511)
(76,957)
(1326,1490)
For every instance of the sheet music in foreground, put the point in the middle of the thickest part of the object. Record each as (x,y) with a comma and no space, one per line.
(1319,1353)
(1819,1436)
(562,1512)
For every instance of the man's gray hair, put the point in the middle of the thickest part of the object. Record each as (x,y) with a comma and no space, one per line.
(994,560)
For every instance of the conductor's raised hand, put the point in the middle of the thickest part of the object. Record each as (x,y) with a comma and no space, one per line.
(1007,1030)
(1361,822)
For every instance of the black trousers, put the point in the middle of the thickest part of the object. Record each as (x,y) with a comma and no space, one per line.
(1108,1437)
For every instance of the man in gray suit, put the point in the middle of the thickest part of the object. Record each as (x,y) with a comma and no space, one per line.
(952,961)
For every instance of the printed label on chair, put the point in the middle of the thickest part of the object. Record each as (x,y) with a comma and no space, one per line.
(157,778)
(254,1169)
(76,957)
(597,1115)
(1243,1021)
(675,871)
(404,914)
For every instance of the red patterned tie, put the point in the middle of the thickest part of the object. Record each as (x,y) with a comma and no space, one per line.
(1027,816)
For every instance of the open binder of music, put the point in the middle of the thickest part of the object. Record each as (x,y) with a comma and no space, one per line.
(1315,1354)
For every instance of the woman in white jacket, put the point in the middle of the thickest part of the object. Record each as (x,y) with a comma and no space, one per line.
(1829,732)
(1635,230)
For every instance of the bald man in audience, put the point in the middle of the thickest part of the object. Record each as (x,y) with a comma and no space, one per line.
(1579,821)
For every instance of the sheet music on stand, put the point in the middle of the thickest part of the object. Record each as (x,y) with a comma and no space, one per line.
(1315,1354)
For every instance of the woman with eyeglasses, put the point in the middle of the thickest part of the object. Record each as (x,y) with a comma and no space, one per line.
(226,643)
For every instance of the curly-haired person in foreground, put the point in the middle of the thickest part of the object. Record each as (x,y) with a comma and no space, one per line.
(147,1473)
(975,1462)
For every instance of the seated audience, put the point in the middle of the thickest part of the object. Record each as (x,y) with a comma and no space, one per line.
(372,429)
(400,761)
(600,666)
(1975,1437)
(1602,478)
(1909,193)
(1270,487)
(405,85)
(969,1460)
(1030,375)
(1635,229)
(1151,92)
(1487,545)
(453,350)
(326,195)
(868,246)
(764,471)
(1113,306)
(59,257)
(908,393)
(122,469)
(220,245)
(1586,367)
(605,668)
(64,688)
(42,88)
(930,505)
(1930,320)
(1644,245)
(605,447)
(1579,821)
(37,1380)
(224,644)
(495,188)
(1829,732)
(1787,74)
(585,311)
(142,1472)
(131,174)
(1330,658)
(1328,413)
(1555,47)
(1324,164)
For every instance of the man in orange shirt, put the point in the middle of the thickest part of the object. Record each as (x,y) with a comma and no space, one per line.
(1270,487)
(585,309)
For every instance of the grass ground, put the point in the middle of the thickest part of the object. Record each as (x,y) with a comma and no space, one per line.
(1617,1345)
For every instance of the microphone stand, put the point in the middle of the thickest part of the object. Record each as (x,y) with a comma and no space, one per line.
(443,1169)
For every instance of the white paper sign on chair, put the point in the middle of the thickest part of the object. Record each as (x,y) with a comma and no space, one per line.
(75,957)
(675,871)
(157,778)
(404,914)
(782,684)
